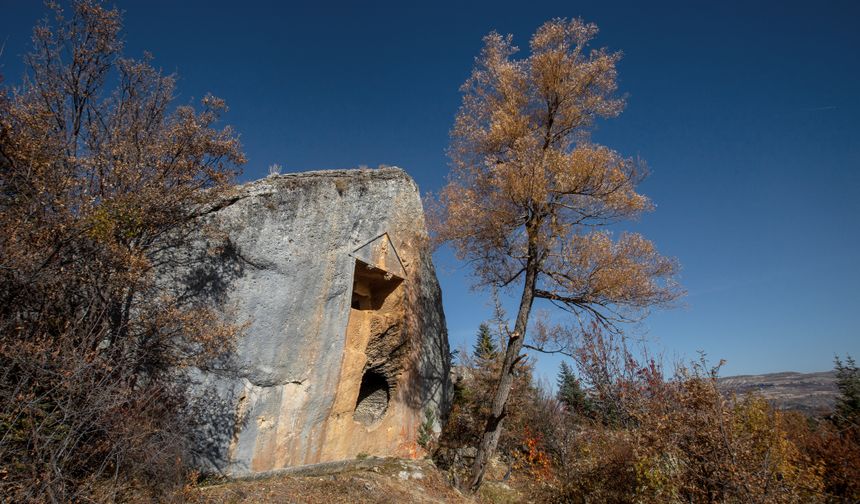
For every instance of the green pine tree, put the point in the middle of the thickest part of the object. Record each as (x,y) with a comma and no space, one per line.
(570,392)
(848,383)
(485,349)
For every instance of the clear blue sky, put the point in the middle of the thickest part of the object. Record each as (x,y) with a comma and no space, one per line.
(747,113)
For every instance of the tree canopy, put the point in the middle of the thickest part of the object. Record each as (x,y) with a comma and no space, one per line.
(526,174)
(570,392)
(101,176)
(485,348)
(530,196)
(848,384)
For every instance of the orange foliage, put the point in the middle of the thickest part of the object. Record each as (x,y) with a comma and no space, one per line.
(101,178)
(529,195)
(533,459)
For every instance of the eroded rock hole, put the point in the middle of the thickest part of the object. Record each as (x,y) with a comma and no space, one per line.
(373,396)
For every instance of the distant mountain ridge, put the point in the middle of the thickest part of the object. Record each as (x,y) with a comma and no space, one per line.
(811,393)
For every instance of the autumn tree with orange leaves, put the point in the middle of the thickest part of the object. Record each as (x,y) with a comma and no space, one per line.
(530,195)
(101,176)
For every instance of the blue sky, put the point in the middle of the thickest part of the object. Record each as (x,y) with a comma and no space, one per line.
(746,113)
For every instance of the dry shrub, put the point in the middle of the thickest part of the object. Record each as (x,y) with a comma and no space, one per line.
(599,469)
(101,178)
(835,450)
(646,437)
(474,387)
(649,438)
(699,446)
(679,439)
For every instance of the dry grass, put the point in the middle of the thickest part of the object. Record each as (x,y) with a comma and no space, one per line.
(383,480)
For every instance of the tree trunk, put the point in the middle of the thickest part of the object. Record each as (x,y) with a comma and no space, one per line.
(493,428)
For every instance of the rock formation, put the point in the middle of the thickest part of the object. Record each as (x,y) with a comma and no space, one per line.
(343,347)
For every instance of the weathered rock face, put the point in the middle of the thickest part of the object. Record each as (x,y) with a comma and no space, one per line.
(344,346)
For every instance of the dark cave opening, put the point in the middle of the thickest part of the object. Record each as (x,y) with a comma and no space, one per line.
(373,396)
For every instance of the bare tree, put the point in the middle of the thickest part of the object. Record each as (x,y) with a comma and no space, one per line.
(530,197)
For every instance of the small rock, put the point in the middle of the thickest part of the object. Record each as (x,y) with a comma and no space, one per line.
(467,452)
(407,475)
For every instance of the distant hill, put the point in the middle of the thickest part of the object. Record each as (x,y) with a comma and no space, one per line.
(811,393)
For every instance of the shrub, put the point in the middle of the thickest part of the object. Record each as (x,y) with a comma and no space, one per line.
(101,177)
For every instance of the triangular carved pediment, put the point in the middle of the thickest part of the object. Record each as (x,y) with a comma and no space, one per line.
(380,253)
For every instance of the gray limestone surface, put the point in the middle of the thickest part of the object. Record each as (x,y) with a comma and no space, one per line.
(287,248)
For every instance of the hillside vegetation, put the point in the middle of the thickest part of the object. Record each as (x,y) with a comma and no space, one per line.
(102,175)
(811,393)
(620,428)
(644,438)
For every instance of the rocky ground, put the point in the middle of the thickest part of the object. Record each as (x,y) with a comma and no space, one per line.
(811,393)
(369,480)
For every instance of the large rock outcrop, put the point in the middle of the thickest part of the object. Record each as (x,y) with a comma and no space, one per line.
(344,347)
